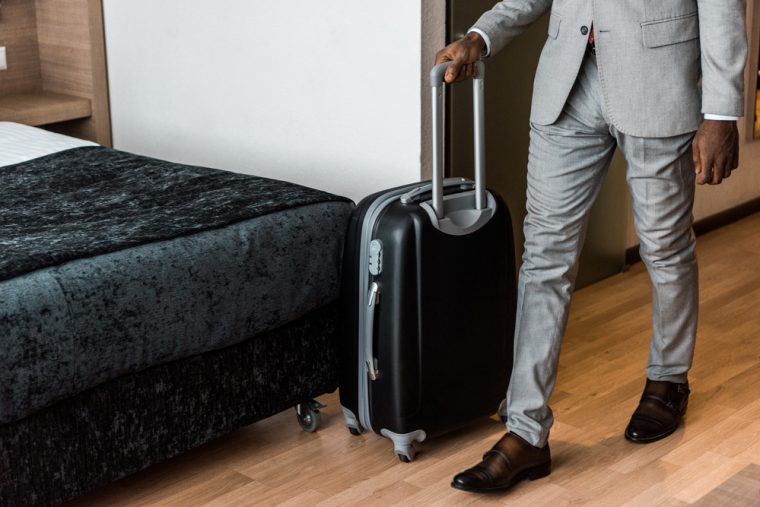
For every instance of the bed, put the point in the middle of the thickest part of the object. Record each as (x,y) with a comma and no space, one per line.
(147,307)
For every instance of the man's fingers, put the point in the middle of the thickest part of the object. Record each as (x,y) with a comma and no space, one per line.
(462,54)
(699,167)
(717,175)
(735,159)
(455,69)
(717,171)
(466,71)
(441,57)
(708,166)
(720,169)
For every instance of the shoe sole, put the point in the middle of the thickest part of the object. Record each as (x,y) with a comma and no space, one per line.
(531,474)
(649,440)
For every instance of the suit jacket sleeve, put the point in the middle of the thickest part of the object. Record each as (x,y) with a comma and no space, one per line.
(509,18)
(723,41)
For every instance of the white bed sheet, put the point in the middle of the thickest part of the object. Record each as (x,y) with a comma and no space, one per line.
(19,143)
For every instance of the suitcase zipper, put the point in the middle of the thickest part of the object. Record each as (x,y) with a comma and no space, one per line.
(372,301)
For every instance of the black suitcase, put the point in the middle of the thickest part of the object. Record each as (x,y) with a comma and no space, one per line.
(428,301)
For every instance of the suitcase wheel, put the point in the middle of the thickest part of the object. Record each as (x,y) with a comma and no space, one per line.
(407,456)
(308,415)
(403,443)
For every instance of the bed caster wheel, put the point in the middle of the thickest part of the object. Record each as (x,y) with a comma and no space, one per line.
(308,415)
(354,431)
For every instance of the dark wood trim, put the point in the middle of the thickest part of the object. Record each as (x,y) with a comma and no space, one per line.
(708,224)
(726,217)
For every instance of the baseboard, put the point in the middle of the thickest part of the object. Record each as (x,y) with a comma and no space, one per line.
(632,256)
(708,224)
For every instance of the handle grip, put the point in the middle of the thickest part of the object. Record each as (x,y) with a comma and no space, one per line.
(437,83)
(438,72)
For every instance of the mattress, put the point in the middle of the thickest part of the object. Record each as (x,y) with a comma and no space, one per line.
(115,263)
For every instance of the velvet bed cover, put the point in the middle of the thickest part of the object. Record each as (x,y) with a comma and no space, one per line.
(112,263)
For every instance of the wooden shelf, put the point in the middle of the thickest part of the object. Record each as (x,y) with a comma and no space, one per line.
(43,108)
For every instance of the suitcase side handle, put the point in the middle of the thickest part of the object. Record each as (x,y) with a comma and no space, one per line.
(437,85)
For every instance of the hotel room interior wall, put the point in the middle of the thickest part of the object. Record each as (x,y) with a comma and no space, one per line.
(18,34)
(326,94)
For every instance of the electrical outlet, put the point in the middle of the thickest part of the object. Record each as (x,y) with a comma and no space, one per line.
(3,61)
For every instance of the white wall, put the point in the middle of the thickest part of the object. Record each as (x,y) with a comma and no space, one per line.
(326,94)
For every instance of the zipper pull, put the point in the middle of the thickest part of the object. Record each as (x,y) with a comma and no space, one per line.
(372,300)
(374,294)
(372,370)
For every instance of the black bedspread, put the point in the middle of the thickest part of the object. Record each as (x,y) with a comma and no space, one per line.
(94,200)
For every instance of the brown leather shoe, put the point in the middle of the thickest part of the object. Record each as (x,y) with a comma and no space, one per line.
(511,460)
(660,411)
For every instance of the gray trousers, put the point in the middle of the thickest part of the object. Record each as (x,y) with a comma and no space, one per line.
(567,163)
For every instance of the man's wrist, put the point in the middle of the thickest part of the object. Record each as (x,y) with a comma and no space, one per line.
(477,39)
(484,43)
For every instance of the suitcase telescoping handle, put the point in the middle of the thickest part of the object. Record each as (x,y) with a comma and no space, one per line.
(437,84)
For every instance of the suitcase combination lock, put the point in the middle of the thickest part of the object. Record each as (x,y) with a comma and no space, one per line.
(376,257)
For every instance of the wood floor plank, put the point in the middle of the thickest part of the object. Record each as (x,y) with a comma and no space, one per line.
(741,490)
(207,491)
(689,483)
(253,493)
(722,433)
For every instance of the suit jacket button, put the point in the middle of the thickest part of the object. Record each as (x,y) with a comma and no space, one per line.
(584,30)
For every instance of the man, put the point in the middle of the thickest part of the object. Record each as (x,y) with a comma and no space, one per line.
(643,76)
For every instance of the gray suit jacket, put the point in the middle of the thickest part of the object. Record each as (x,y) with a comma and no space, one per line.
(650,53)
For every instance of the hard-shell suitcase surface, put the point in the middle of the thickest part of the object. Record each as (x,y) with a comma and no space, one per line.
(428,300)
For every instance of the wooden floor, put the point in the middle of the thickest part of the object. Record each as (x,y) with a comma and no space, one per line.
(714,460)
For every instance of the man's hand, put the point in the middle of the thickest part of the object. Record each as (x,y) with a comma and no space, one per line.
(462,54)
(715,151)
